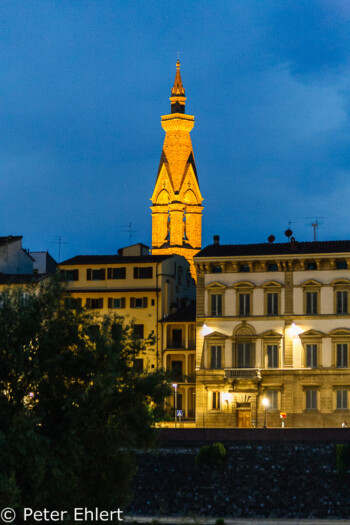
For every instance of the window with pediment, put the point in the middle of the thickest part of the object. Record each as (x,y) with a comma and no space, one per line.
(272,291)
(271,349)
(311,341)
(216,295)
(341,289)
(312,297)
(340,347)
(244,305)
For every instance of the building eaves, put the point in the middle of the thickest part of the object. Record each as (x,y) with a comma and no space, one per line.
(271,249)
(113,259)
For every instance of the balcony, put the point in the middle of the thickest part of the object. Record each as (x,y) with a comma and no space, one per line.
(243,373)
(175,343)
(178,377)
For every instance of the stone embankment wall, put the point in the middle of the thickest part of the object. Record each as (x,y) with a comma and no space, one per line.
(266,479)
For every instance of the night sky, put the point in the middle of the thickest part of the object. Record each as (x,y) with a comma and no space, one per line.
(84,83)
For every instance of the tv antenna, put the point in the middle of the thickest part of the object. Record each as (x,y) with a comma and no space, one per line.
(128,229)
(315,224)
(59,242)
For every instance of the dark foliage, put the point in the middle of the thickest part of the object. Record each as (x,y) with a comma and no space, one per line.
(71,404)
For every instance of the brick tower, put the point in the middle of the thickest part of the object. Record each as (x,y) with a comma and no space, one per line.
(177,200)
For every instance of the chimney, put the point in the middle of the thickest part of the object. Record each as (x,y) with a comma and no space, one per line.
(216,239)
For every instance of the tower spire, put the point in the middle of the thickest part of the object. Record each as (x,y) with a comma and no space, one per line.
(177,200)
(178,98)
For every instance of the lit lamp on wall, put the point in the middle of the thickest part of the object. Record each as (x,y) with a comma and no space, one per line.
(174,385)
(265,403)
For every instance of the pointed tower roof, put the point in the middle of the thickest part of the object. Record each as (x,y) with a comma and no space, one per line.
(178,89)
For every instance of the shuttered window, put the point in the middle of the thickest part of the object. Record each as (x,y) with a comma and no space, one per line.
(116,303)
(95,275)
(311,356)
(311,399)
(272,356)
(311,303)
(272,304)
(216,305)
(141,272)
(342,399)
(70,275)
(342,355)
(215,362)
(116,273)
(139,331)
(93,303)
(138,302)
(216,400)
(244,304)
(342,302)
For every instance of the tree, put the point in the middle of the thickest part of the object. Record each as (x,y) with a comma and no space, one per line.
(72,406)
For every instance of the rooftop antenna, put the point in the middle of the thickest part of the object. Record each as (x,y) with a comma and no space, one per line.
(59,242)
(128,229)
(315,225)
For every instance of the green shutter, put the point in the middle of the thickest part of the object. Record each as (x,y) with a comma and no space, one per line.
(88,274)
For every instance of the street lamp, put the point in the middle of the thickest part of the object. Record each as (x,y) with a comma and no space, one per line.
(265,403)
(174,385)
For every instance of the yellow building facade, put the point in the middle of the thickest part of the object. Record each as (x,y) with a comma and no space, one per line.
(273,324)
(140,287)
(177,200)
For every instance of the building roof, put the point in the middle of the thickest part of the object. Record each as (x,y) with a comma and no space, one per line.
(285,248)
(186,314)
(9,238)
(113,259)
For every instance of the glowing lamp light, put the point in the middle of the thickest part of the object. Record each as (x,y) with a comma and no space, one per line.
(265,402)
(174,385)
(205,330)
(226,396)
(294,330)
(31,394)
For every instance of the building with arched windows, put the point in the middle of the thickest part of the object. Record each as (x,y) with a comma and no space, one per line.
(273,326)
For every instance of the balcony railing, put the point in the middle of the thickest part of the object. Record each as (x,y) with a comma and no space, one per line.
(176,343)
(180,378)
(181,343)
(242,373)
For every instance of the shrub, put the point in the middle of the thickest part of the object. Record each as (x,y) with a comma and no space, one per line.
(220,521)
(211,456)
(342,453)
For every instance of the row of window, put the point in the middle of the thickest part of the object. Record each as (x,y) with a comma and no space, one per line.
(93,303)
(100,274)
(272,303)
(273,267)
(311,399)
(244,356)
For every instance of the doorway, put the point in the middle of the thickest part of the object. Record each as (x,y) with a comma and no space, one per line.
(244,419)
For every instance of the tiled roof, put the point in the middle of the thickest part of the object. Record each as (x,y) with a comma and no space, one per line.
(182,315)
(285,248)
(114,259)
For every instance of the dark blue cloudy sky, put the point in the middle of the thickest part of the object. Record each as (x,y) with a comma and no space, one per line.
(83,84)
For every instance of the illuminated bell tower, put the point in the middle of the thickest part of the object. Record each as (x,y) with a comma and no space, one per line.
(177,200)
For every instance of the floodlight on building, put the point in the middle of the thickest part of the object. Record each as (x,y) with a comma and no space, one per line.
(205,330)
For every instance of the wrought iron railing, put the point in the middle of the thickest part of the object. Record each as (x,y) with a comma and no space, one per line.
(242,372)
